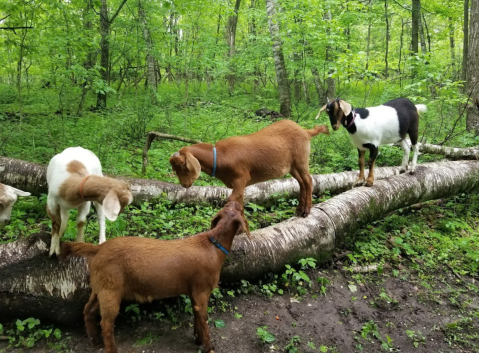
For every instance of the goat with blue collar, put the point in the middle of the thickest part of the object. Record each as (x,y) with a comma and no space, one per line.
(240,161)
(374,126)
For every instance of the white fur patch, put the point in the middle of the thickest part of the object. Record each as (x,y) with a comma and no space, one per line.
(379,128)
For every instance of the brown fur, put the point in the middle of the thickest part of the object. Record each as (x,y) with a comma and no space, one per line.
(144,269)
(95,189)
(281,148)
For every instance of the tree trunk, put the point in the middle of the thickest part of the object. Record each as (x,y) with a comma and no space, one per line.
(104,53)
(319,86)
(452,44)
(31,177)
(34,285)
(416,13)
(150,59)
(422,36)
(387,39)
(88,64)
(330,83)
(281,74)
(105,24)
(472,121)
(465,41)
(231,42)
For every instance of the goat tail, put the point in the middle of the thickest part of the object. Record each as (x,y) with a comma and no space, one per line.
(319,129)
(421,108)
(78,249)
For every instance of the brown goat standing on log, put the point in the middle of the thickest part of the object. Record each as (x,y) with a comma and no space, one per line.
(144,269)
(240,161)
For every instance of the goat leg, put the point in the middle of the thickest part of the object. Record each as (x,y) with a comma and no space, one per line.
(200,311)
(405,159)
(109,307)
(415,150)
(360,180)
(305,192)
(89,312)
(373,153)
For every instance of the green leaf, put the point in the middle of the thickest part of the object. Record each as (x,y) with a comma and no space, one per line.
(220,324)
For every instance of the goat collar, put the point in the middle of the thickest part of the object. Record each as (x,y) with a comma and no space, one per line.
(82,184)
(352,121)
(218,245)
(214,164)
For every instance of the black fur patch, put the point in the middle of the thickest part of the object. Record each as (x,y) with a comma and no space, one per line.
(408,117)
(363,112)
(368,145)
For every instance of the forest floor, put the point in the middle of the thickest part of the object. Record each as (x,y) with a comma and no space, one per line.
(406,312)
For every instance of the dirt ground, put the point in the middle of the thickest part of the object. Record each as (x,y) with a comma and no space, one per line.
(416,314)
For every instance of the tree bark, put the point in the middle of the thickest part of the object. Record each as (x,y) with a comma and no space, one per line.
(231,42)
(34,285)
(387,40)
(104,53)
(472,121)
(105,24)
(150,59)
(31,177)
(465,40)
(416,13)
(281,74)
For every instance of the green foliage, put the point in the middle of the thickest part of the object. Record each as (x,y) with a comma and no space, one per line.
(437,234)
(264,335)
(25,333)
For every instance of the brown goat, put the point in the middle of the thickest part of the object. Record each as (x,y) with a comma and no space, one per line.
(144,269)
(278,149)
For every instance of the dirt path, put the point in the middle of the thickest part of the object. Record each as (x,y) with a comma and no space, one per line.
(416,314)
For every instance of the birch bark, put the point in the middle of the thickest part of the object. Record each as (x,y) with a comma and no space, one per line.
(33,284)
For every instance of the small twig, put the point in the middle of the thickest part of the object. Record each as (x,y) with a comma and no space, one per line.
(455,273)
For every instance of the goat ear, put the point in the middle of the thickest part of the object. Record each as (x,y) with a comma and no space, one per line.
(345,107)
(215,220)
(111,206)
(323,108)
(20,192)
(244,225)
(192,164)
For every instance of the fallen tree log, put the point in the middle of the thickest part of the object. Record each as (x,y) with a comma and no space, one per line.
(33,284)
(450,152)
(31,177)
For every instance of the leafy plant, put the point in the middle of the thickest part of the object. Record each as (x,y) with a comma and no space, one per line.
(264,335)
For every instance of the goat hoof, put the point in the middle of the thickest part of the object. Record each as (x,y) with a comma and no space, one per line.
(302,212)
(369,183)
(412,172)
(401,171)
(197,341)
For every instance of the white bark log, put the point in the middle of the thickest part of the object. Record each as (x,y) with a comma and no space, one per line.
(29,279)
(31,177)
(449,152)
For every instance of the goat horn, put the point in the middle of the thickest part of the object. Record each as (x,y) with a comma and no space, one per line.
(175,154)
(323,108)
(327,99)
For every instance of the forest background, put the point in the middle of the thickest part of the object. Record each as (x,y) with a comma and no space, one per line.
(102,74)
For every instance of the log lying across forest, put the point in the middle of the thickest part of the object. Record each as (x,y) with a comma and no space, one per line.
(31,177)
(31,284)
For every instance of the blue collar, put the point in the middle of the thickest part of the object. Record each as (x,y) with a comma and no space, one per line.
(214,164)
(218,245)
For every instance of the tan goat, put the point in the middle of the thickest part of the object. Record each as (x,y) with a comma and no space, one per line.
(240,161)
(144,269)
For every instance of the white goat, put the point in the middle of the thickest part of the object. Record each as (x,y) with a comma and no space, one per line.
(8,197)
(374,126)
(74,180)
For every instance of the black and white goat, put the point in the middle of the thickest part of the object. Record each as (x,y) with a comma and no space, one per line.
(374,126)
